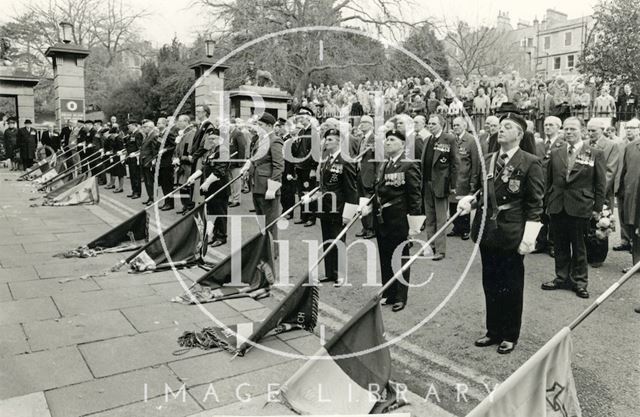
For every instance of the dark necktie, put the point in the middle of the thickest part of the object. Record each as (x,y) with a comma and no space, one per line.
(547,146)
(502,160)
(571,159)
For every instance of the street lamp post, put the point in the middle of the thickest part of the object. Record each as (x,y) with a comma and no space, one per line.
(67,32)
(209,46)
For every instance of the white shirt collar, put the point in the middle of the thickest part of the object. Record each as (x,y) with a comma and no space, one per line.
(335,155)
(576,147)
(552,140)
(395,160)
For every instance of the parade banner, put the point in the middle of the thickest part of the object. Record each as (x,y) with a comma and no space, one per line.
(186,244)
(298,310)
(84,193)
(257,274)
(131,234)
(543,386)
(347,385)
(66,186)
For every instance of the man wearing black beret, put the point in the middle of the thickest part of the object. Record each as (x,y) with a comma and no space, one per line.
(305,164)
(515,188)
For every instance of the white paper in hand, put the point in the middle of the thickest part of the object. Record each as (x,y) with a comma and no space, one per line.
(272,188)
(349,211)
(528,244)
(415,224)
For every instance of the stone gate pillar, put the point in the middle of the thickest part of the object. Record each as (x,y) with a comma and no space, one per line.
(210,89)
(68,80)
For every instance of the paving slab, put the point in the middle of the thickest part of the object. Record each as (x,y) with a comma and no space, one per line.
(219,365)
(43,247)
(14,240)
(83,328)
(163,315)
(13,340)
(46,287)
(87,302)
(142,350)
(30,405)
(5,294)
(159,406)
(107,393)
(23,311)
(168,290)
(257,406)
(307,345)
(244,304)
(23,374)
(13,249)
(243,387)
(30,260)
(24,273)
(124,279)
(37,230)
(256,315)
(74,267)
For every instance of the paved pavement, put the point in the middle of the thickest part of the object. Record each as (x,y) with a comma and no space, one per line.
(118,330)
(74,345)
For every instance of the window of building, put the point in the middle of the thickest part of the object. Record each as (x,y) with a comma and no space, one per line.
(556,63)
(567,39)
(530,42)
(547,42)
(570,61)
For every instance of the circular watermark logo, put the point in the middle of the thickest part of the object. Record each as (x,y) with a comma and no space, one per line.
(220,63)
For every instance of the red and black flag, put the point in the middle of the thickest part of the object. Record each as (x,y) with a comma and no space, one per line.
(298,310)
(346,381)
(129,235)
(186,245)
(256,269)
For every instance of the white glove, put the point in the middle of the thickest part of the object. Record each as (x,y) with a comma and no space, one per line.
(194,177)
(245,167)
(153,162)
(364,205)
(528,244)
(349,211)
(466,204)
(415,224)
(175,161)
(312,174)
(272,188)
(289,177)
(309,197)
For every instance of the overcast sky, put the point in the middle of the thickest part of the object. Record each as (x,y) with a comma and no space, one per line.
(179,17)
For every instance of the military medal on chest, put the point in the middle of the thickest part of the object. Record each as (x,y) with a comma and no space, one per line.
(506,173)
(394,179)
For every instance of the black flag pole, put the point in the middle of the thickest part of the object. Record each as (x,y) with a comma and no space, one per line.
(172,226)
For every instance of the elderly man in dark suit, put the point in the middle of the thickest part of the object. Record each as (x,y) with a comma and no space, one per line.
(238,151)
(265,168)
(337,182)
(468,174)
(164,161)
(628,197)
(515,187)
(367,168)
(181,162)
(576,186)
(397,198)
(148,155)
(27,142)
(439,179)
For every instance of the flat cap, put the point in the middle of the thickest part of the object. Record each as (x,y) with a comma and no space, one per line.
(267,118)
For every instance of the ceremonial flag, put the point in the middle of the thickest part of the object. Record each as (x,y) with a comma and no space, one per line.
(354,383)
(298,310)
(543,386)
(47,176)
(256,268)
(131,234)
(64,187)
(185,240)
(84,193)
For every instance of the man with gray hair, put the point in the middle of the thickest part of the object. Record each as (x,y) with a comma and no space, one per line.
(148,155)
(367,169)
(629,182)
(468,174)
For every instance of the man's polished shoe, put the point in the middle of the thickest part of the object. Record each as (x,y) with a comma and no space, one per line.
(149,201)
(110,187)
(289,216)
(369,235)
(236,204)
(217,243)
(485,341)
(117,191)
(310,223)
(596,265)
(438,257)
(386,302)
(399,306)
(135,196)
(299,221)
(327,279)
(506,347)
(622,247)
(339,282)
(465,236)
(552,285)
(552,252)
(361,233)
(130,195)
(167,207)
(452,234)
(582,292)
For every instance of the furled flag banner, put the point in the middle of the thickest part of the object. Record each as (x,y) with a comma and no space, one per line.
(84,193)
(354,384)
(543,386)
(186,244)
(298,310)
(131,234)
(257,274)
(66,186)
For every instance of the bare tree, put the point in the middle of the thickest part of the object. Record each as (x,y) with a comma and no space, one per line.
(476,50)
